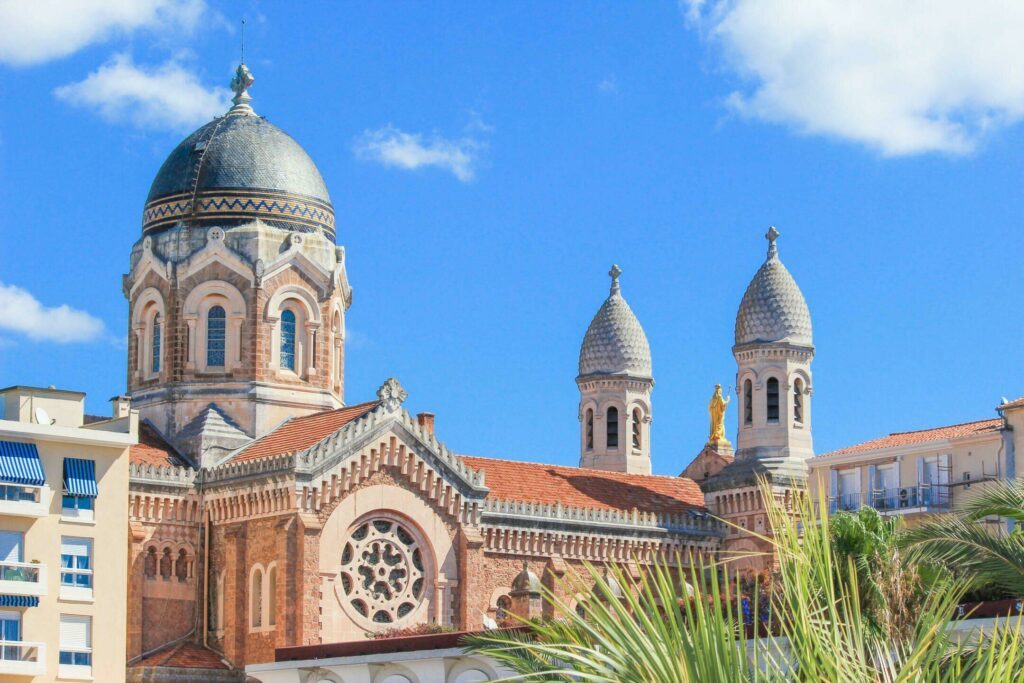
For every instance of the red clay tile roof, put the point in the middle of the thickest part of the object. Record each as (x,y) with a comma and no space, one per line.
(185,656)
(152,449)
(895,439)
(302,432)
(534,482)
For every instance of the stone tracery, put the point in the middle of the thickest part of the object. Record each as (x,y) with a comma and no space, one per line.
(382,572)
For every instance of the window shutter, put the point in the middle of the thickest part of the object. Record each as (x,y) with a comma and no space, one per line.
(920,470)
(833,483)
(75,546)
(75,632)
(10,546)
(872,483)
(945,470)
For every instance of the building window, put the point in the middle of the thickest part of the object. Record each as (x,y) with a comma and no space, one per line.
(10,632)
(288,340)
(590,429)
(256,599)
(272,595)
(155,345)
(637,426)
(773,400)
(75,567)
(748,402)
(78,507)
(613,427)
(75,646)
(502,607)
(215,336)
(798,401)
(384,573)
(149,566)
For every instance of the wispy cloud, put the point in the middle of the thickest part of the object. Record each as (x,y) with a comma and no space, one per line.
(37,31)
(165,97)
(608,85)
(22,313)
(900,77)
(410,151)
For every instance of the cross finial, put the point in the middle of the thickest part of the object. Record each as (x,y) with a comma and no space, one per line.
(615,272)
(771,236)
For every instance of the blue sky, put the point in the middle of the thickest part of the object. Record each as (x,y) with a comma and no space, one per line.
(488,163)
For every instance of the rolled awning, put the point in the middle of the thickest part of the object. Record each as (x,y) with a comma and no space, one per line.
(80,478)
(19,601)
(19,464)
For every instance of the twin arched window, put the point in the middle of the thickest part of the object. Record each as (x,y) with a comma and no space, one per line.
(263,597)
(613,428)
(288,339)
(215,336)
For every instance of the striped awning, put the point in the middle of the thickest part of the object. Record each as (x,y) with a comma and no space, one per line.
(19,464)
(19,601)
(80,478)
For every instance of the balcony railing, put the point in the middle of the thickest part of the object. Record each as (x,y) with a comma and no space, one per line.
(24,501)
(931,497)
(22,658)
(22,578)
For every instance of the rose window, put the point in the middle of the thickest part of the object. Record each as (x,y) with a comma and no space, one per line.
(382,575)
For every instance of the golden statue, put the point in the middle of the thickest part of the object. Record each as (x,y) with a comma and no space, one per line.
(716,409)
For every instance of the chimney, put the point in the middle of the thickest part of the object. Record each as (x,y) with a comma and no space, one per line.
(122,406)
(426,420)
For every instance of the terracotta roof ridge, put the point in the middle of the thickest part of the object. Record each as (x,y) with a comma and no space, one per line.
(935,429)
(576,468)
(328,412)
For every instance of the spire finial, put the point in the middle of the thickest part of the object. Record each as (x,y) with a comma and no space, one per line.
(242,56)
(771,236)
(240,84)
(615,272)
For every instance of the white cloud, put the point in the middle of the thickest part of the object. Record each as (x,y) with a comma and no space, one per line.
(608,86)
(36,31)
(21,312)
(392,147)
(901,76)
(168,96)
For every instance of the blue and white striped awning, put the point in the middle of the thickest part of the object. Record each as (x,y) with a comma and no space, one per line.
(19,601)
(19,464)
(80,478)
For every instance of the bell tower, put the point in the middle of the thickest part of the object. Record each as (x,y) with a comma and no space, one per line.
(615,384)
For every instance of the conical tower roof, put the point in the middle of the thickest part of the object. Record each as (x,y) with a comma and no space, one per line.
(615,343)
(773,308)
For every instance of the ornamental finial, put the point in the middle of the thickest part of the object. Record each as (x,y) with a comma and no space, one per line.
(240,84)
(615,272)
(391,394)
(771,236)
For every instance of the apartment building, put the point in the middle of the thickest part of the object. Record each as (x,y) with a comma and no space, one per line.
(63,553)
(917,473)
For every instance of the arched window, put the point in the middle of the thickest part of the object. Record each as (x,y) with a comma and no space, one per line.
(181,566)
(503,606)
(256,599)
(155,345)
(613,427)
(589,427)
(166,562)
(637,426)
(748,402)
(215,336)
(798,401)
(288,339)
(772,400)
(272,595)
(149,567)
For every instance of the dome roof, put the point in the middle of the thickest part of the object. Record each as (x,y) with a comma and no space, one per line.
(615,344)
(239,167)
(773,309)
(526,582)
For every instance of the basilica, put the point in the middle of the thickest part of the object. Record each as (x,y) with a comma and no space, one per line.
(271,505)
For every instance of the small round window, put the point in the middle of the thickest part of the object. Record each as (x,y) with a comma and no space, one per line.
(382,573)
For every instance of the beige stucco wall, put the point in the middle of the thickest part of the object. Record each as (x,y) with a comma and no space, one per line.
(980,457)
(109,546)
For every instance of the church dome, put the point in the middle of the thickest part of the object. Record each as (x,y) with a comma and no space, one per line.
(773,308)
(235,169)
(615,343)
(526,582)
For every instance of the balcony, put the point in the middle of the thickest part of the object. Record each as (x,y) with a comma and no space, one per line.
(22,578)
(25,501)
(897,501)
(22,658)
